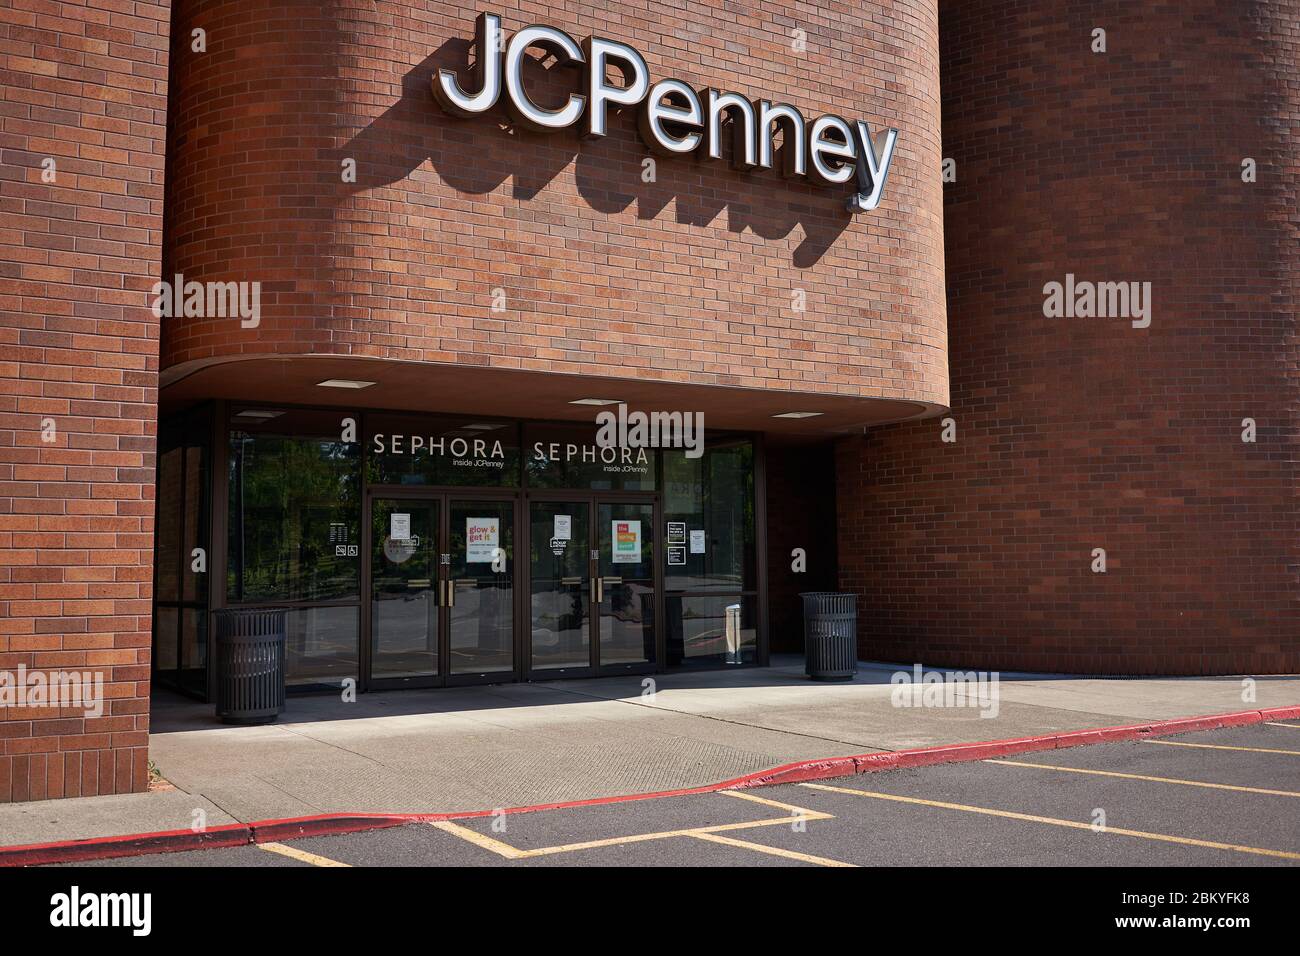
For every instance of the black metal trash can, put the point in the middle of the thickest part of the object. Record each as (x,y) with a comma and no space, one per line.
(250,664)
(830,635)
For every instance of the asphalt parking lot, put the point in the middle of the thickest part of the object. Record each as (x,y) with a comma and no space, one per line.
(1216,798)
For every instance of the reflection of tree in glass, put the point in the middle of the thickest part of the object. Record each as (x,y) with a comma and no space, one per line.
(284,495)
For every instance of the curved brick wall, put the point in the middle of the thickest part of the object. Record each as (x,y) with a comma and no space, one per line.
(689,278)
(1075,434)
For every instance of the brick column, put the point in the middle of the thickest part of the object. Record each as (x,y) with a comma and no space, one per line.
(83,85)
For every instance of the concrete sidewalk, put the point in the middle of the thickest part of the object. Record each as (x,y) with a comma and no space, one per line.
(522,744)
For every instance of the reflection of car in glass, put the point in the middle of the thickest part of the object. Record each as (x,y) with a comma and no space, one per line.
(558,623)
(630,602)
(703,636)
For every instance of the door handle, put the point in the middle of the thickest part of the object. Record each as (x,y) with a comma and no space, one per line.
(451,593)
(597,590)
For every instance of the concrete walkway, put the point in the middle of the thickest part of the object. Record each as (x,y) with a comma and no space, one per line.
(521,744)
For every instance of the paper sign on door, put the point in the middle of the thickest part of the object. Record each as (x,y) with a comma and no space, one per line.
(399,528)
(482,538)
(627,542)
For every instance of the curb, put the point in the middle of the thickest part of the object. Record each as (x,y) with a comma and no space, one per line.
(333,824)
(806,770)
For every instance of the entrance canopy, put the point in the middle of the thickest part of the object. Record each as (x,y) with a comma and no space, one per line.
(424,386)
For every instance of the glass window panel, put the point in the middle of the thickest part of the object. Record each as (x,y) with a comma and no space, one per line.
(168,510)
(625,532)
(294,515)
(164,640)
(483,613)
(321,645)
(403,575)
(423,450)
(195,585)
(194,649)
(698,633)
(567,456)
(560,634)
(712,496)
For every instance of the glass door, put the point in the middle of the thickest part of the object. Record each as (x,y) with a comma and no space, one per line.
(404,596)
(626,591)
(559,586)
(591,586)
(479,592)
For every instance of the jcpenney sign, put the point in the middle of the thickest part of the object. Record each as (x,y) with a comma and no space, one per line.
(674,118)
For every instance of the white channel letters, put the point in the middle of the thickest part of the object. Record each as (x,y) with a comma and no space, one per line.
(674,118)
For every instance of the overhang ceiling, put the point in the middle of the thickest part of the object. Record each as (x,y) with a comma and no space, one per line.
(459,389)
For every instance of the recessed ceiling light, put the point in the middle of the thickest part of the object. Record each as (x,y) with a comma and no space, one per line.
(798,415)
(594,401)
(259,413)
(344,383)
(482,427)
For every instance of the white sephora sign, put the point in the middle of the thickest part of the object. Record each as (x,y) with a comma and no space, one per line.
(674,119)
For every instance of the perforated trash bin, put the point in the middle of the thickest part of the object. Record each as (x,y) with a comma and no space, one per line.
(830,635)
(250,664)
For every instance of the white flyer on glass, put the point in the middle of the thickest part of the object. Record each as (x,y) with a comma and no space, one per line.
(399,527)
(697,542)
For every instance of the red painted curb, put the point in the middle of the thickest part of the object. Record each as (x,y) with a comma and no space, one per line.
(806,770)
(136,844)
(330,824)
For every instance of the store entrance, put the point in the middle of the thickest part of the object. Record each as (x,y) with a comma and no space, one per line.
(441,590)
(592,589)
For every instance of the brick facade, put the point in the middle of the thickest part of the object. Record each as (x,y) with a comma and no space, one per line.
(1076,434)
(1071,434)
(691,278)
(84,84)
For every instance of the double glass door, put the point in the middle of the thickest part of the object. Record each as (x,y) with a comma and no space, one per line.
(442,602)
(592,595)
(442,595)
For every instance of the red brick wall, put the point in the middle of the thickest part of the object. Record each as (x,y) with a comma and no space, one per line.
(687,279)
(84,84)
(1075,434)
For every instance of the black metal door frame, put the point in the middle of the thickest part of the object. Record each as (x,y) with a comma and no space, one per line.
(591,500)
(444,495)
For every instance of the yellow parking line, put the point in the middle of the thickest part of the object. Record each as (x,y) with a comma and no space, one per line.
(787,807)
(514,853)
(1072,824)
(478,839)
(1253,750)
(1273,723)
(1139,776)
(666,834)
(771,850)
(302,856)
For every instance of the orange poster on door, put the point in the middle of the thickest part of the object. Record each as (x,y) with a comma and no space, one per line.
(627,542)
